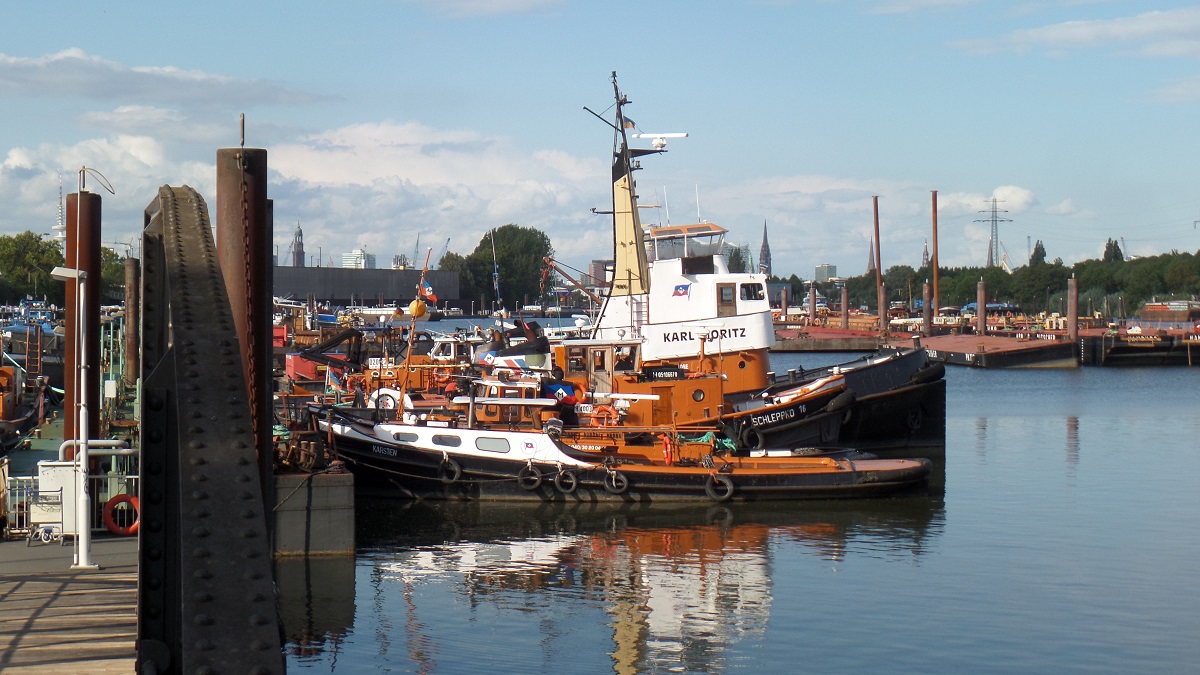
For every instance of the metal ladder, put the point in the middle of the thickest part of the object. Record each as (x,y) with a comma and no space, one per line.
(33,357)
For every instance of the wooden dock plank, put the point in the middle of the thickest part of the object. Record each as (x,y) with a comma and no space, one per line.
(57,620)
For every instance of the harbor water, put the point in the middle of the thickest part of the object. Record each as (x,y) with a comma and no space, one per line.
(1060,536)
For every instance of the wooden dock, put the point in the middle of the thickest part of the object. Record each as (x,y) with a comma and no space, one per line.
(54,619)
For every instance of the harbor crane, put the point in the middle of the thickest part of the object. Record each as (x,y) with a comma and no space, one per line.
(441,255)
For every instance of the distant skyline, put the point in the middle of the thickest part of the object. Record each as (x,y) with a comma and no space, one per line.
(443,119)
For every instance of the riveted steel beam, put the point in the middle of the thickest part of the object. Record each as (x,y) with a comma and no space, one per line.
(206,593)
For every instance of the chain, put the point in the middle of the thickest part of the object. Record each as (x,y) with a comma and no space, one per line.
(251,349)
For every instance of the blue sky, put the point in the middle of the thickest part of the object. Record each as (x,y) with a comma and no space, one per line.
(444,118)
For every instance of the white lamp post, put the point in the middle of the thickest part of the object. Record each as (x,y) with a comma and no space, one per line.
(83,511)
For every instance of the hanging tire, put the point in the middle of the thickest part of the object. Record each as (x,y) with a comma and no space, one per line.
(385,402)
(566,481)
(449,471)
(840,401)
(110,510)
(718,488)
(615,482)
(529,478)
(753,439)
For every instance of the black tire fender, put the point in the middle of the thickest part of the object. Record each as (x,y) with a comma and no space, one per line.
(719,488)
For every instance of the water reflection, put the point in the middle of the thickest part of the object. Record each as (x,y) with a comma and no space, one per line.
(678,584)
(1072,442)
(316,602)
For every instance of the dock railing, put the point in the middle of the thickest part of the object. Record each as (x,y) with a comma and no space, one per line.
(27,506)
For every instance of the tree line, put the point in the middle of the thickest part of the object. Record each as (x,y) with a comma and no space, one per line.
(1114,282)
(26,260)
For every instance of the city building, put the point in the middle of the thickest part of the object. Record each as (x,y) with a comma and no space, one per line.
(824,273)
(358,259)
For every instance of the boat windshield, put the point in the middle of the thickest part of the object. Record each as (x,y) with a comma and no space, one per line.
(685,241)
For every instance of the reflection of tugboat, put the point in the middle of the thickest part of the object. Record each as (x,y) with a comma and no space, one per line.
(680,588)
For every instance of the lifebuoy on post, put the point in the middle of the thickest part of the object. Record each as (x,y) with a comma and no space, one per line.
(110,509)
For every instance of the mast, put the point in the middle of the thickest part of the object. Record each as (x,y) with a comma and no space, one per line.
(631,272)
(496,272)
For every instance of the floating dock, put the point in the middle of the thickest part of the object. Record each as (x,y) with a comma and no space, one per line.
(792,338)
(994,351)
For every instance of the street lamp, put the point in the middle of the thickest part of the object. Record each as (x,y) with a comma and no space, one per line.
(82,498)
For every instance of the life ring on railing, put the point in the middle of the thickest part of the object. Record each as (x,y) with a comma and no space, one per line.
(110,508)
(604,416)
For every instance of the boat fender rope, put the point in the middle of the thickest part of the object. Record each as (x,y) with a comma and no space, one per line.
(615,482)
(110,509)
(718,488)
(566,481)
(529,478)
(448,471)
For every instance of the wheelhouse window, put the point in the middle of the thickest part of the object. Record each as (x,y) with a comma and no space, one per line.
(624,358)
(753,292)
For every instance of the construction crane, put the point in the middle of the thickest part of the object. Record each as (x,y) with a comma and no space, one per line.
(128,245)
(443,253)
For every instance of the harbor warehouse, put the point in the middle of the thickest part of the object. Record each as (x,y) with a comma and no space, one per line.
(345,286)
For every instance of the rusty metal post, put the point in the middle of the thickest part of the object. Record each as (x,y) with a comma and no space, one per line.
(981,307)
(1073,309)
(934,261)
(133,319)
(845,307)
(926,310)
(82,253)
(882,301)
(812,303)
(244,251)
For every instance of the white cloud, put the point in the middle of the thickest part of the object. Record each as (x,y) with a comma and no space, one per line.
(1064,208)
(475,8)
(1173,32)
(75,73)
(910,6)
(1181,91)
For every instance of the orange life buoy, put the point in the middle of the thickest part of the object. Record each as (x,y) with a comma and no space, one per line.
(604,416)
(111,506)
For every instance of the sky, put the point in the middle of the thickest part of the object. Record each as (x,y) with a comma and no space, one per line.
(402,126)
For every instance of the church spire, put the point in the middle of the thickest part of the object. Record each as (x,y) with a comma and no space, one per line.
(764,254)
(298,247)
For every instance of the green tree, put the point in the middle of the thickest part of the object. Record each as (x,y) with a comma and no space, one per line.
(737,262)
(26,260)
(112,276)
(520,254)
(1112,252)
(1038,257)
(468,287)
(1183,275)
